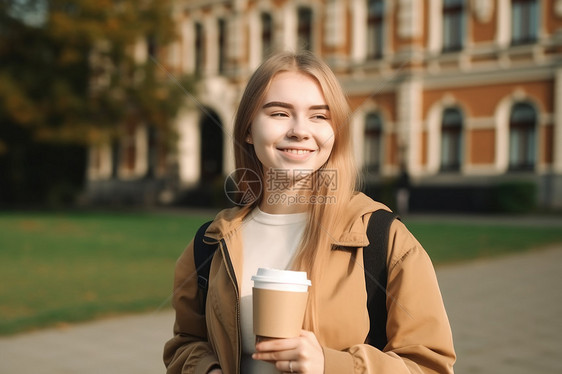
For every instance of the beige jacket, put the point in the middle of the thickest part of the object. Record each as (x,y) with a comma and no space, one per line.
(418,331)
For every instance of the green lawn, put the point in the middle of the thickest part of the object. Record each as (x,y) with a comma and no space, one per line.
(56,268)
(59,268)
(459,241)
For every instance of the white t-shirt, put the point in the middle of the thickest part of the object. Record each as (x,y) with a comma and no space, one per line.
(270,241)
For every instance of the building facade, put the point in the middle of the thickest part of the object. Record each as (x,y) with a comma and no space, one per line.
(462,97)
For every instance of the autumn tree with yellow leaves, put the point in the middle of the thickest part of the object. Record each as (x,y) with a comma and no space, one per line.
(70,77)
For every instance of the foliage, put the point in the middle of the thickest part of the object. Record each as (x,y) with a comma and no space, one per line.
(516,197)
(82,71)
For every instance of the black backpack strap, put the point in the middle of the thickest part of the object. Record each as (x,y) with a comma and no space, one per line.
(374,262)
(202,254)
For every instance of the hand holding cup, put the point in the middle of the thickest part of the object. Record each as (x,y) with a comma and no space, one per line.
(279,302)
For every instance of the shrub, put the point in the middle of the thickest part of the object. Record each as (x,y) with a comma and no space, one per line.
(516,197)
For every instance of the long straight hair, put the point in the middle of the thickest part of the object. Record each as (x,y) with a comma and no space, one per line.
(338,175)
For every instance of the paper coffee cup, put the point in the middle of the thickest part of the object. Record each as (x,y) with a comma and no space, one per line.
(279,302)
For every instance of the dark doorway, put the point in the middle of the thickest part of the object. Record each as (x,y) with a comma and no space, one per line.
(211,146)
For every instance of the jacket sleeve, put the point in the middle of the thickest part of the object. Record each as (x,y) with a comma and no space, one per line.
(417,328)
(188,351)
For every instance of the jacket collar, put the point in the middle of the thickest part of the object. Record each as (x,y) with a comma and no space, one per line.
(349,232)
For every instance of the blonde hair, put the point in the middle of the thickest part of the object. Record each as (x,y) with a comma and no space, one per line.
(322,218)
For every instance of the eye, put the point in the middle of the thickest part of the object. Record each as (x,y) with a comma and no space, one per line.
(279,114)
(320,117)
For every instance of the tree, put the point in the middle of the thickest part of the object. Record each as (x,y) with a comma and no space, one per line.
(71,76)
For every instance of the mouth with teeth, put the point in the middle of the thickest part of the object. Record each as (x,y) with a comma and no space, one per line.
(297,151)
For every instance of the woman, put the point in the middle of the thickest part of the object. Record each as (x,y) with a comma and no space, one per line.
(292,129)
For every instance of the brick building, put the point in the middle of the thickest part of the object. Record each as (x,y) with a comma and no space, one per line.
(465,97)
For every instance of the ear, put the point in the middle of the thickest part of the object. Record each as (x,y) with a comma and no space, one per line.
(249,139)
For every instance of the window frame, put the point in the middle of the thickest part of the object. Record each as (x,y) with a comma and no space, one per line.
(453,10)
(266,34)
(222,45)
(373,135)
(305,28)
(375,29)
(525,131)
(452,133)
(199,43)
(529,17)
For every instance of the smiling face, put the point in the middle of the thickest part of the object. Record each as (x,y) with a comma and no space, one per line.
(292,129)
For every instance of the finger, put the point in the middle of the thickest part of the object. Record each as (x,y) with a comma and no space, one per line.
(277,345)
(287,366)
(275,355)
(308,335)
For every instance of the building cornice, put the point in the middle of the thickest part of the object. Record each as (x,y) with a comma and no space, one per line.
(198,4)
(365,83)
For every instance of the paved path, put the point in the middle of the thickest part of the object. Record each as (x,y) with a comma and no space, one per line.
(123,345)
(505,314)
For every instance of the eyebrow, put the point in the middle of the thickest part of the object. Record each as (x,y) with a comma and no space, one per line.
(290,106)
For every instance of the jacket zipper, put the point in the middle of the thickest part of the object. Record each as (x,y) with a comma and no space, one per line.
(230,270)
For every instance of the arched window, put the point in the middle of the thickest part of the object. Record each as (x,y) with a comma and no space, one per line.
(451,140)
(304,30)
(522,149)
(524,21)
(373,142)
(266,35)
(453,24)
(375,28)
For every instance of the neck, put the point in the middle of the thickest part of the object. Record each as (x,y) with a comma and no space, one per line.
(285,202)
(284,195)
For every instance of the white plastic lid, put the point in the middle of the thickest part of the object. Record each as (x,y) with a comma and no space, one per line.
(281,279)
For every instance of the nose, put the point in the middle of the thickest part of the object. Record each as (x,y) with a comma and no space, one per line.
(298,129)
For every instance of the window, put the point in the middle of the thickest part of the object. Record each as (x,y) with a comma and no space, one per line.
(151,46)
(375,23)
(524,21)
(222,45)
(128,151)
(304,31)
(451,140)
(373,142)
(453,25)
(522,150)
(157,152)
(266,35)
(199,49)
